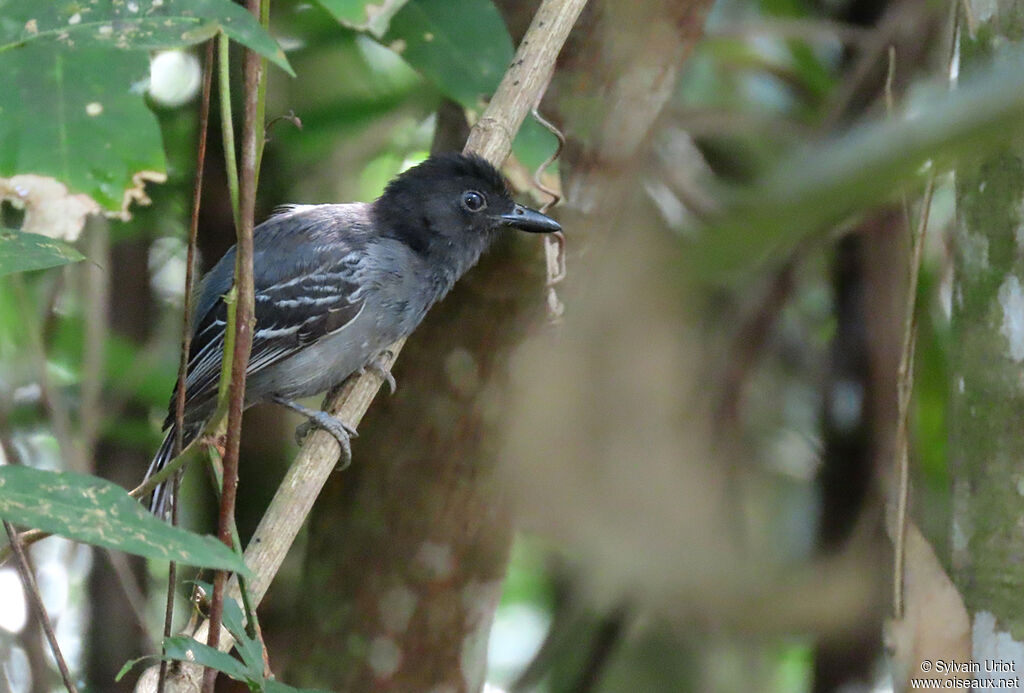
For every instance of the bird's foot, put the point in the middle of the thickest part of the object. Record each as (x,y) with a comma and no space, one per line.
(379,365)
(316,418)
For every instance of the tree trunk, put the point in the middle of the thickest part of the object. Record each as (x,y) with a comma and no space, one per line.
(408,548)
(987,390)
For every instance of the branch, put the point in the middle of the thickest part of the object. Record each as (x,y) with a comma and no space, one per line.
(28,581)
(520,89)
(186,334)
(252,144)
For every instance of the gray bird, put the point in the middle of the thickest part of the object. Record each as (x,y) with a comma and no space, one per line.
(337,283)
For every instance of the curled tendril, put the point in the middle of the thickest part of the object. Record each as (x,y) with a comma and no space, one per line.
(554,243)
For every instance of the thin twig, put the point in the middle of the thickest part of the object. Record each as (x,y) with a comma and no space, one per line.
(556,197)
(172,580)
(252,145)
(190,262)
(554,243)
(227,127)
(261,103)
(905,389)
(905,382)
(252,625)
(29,582)
(890,110)
(186,334)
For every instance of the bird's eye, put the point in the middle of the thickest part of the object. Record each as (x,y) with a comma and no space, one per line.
(473,201)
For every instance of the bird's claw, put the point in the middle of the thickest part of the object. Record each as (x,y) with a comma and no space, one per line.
(317,418)
(339,430)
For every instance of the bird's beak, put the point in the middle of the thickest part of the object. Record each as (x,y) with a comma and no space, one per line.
(526,219)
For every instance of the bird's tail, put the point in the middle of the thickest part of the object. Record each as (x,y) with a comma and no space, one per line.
(160,501)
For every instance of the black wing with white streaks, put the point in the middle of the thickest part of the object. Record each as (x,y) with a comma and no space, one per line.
(297,302)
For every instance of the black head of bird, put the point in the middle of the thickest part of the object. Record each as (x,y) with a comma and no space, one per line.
(453,199)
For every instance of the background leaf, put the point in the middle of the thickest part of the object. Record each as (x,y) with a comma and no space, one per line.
(21,251)
(95,511)
(364,15)
(138,24)
(464,48)
(98,138)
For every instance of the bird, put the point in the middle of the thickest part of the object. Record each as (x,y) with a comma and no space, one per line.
(336,284)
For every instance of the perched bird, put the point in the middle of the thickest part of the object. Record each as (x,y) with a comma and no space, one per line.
(337,283)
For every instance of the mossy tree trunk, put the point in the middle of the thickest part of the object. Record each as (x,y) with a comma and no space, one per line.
(987,388)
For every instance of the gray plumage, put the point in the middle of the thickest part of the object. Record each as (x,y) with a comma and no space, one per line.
(335,284)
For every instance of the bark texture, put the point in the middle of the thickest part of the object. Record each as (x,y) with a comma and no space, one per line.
(987,389)
(407,553)
(408,548)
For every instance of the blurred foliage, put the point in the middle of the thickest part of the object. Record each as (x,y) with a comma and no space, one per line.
(364,15)
(821,187)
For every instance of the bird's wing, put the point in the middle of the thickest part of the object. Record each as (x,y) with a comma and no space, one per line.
(305,290)
(289,316)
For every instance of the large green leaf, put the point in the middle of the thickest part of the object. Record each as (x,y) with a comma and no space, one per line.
(72,107)
(364,15)
(132,24)
(21,251)
(463,48)
(74,115)
(95,511)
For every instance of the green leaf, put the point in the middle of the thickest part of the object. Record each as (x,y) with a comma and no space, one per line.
(250,649)
(463,47)
(95,511)
(185,649)
(250,671)
(130,664)
(132,24)
(97,136)
(21,251)
(364,15)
